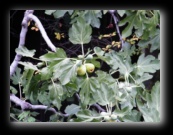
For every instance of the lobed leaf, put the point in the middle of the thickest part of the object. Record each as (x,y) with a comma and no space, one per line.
(80,32)
(25,52)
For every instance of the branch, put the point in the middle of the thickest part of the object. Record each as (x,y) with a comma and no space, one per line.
(25,105)
(21,41)
(99,108)
(27,16)
(116,25)
(43,32)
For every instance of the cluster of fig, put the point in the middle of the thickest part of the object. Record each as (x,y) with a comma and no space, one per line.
(87,67)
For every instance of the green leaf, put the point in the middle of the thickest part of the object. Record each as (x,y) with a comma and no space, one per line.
(23,115)
(104,77)
(121,112)
(155,97)
(143,78)
(151,109)
(149,114)
(13,90)
(31,119)
(154,41)
(49,12)
(28,74)
(72,109)
(131,19)
(150,24)
(104,95)
(32,86)
(134,116)
(88,86)
(55,94)
(105,11)
(129,96)
(34,113)
(25,52)
(28,65)
(44,98)
(55,90)
(70,89)
(144,26)
(76,15)
(46,73)
(65,71)
(116,61)
(88,116)
(61,13)
(100,53)
(53,118)
(80,33)
(92,17)
(147,64)
(16,77)
(60,54)
(57,103)
(127,51)
(121,12)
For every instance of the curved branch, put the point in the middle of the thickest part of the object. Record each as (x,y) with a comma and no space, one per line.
(27,16)
(99,108)
(43,32)
(25,105)
(21,41)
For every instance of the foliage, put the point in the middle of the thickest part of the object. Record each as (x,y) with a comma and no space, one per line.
(124,96)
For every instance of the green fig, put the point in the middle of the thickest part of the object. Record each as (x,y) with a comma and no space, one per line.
(89,67)
(113,117)
(107,118)
(81,70)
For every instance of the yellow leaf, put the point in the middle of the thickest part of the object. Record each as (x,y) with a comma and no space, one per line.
(106,35)
(32,28)
(100,37)
(62,35)
(113,34)
(113,42)
(29,23)
(36,29)
(58,36)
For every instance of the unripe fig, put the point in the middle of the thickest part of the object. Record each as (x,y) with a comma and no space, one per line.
(113,117)
(107,118)
(81,70)
(90,67)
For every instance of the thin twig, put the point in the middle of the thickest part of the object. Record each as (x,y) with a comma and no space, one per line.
(116,25)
